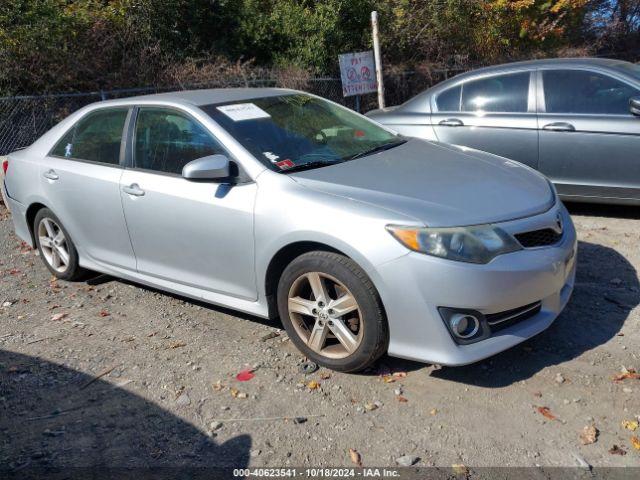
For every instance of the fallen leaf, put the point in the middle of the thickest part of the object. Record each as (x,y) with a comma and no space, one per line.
(545,412)
(156,453)
(217,386)
(177,345)
(235,393)
(245,376)
(59,316)
(589,435)
(401,399)
(370,406)
(325,376)
(460,469)
(269,336)
(616,450)
(433,411)
(388,379)
(635,441)
(626,374)
(104,313)
(313,385)
(630,425)
(356,458)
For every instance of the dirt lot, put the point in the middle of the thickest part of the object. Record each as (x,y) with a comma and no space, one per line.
(168,393)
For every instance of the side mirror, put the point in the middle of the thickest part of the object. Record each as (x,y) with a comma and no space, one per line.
(214,168)
(634,106)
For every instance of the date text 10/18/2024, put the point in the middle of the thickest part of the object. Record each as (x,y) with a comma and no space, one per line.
(317,472)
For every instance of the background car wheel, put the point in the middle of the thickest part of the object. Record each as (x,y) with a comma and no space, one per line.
(332,312)
(56,248)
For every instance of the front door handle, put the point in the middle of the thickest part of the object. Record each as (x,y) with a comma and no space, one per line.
(451,122)
(133,189)
(559,127)
(51,175)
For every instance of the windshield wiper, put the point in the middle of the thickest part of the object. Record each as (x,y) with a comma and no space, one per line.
(379,148)
(310,165)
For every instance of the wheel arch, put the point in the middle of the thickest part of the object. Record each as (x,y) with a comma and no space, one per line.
(30,215)
(285,254)
(279,262)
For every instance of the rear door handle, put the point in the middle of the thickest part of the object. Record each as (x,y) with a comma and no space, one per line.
(559,127)
(51,175)
(133,189)
(451,122)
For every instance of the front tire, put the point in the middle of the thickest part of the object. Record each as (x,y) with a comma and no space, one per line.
(332,311)
(56,249)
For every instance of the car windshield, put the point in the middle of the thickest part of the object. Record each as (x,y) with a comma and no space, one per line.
(297,132)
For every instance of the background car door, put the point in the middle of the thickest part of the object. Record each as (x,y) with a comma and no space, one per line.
(198,234)
(495,114)
(81,179)
(589,142)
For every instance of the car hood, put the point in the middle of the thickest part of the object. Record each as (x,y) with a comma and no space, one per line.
(437,184)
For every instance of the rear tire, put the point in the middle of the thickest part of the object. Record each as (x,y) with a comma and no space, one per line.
(56,249)
(332,311)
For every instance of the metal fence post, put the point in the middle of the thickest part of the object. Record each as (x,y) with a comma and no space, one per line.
(376,53)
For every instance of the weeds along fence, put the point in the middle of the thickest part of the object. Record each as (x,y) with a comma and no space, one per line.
(25,118)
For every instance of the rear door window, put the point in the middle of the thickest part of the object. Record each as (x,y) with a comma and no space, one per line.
(500,93)
(96,137)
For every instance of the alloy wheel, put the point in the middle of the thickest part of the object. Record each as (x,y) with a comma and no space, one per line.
(325,315)
(53,244)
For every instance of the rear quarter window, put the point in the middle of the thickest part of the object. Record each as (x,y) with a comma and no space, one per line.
(449,100)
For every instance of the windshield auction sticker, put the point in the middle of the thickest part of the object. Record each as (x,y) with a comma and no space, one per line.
(243,111)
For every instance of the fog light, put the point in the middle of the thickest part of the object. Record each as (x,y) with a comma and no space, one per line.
(464,325)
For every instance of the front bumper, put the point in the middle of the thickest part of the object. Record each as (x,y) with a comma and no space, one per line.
(415,285)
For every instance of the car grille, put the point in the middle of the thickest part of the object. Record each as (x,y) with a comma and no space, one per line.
(538,238)
(502,320)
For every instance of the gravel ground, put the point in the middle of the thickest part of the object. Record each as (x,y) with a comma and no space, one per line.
(167,393)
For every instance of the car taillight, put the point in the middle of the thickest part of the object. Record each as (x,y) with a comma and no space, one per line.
(5,166)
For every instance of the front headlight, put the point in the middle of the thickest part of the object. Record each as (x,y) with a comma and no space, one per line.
(477,244)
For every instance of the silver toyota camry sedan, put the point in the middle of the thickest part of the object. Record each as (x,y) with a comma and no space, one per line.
(279,203)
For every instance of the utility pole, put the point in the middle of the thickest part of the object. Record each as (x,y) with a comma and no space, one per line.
(376,54)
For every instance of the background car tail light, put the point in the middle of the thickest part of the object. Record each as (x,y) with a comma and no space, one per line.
(5,166)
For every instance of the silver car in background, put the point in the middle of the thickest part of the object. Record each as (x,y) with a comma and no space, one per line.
(575,120)
(279,203)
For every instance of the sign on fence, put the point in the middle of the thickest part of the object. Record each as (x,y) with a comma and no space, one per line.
(358,73)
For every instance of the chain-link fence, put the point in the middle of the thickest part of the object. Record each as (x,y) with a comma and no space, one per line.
(25,118)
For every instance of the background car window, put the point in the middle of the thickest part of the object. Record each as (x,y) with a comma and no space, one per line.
(165,141)
(502,93)
(449,100)
(580,91)
(96,138)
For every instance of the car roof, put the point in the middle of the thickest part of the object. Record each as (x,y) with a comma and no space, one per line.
(417,103)
(205,96)
(546,62)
